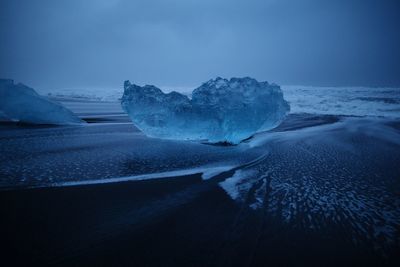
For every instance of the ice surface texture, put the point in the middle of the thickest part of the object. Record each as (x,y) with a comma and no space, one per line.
(21,103)
(220,110)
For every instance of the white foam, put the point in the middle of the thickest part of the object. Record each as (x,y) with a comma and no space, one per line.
(212,172)
(355,101)
(230,185)
(207,172)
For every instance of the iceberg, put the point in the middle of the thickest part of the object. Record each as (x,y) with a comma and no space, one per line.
(220,110)
(19,102)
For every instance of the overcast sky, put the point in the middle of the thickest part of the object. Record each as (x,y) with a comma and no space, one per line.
(100,43)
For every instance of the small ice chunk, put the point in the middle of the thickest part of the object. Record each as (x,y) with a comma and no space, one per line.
(21,103)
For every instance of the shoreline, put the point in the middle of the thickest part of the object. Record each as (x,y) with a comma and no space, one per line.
(317,190)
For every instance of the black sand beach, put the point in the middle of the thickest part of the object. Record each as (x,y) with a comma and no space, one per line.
(318,190)
(165,222)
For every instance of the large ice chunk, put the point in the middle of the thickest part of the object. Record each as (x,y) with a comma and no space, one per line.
(220,110)
(21,103)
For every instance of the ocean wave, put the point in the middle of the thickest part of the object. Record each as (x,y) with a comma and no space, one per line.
(350,101)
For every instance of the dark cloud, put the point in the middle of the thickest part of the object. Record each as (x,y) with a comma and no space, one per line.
(76,43)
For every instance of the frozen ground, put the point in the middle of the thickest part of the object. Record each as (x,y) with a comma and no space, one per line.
(323,183)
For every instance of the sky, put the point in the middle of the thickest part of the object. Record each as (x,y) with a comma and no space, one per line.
(181,43)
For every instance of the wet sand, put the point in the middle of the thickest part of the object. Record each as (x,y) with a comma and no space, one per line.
(327,198)
(165,222)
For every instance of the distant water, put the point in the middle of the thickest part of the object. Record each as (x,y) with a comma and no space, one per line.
(356,101)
